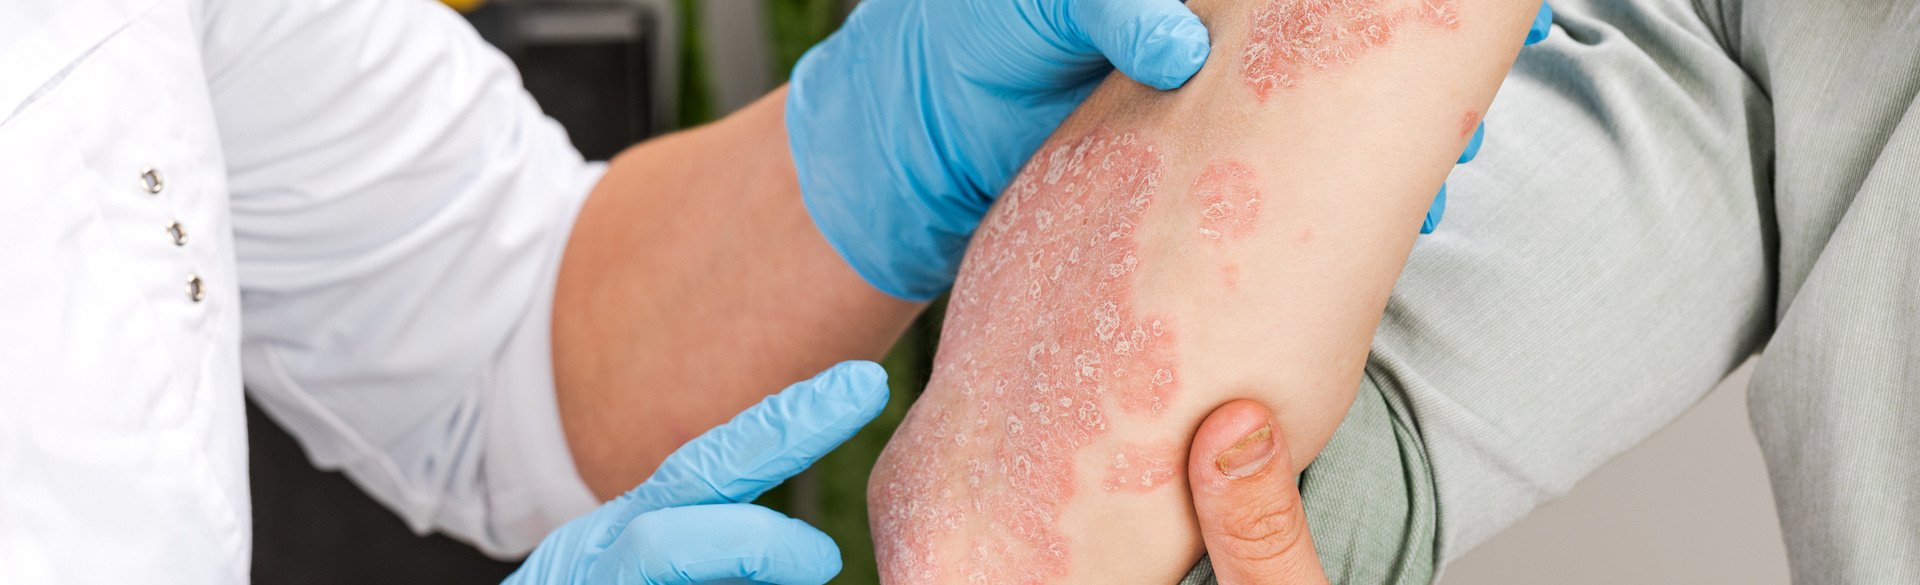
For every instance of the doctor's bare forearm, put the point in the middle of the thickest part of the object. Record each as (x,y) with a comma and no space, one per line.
(693,285)
(1166,252)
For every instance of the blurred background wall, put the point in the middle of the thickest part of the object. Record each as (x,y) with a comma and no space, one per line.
(1689,506)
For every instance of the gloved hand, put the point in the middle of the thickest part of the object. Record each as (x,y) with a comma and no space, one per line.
(909,120)
(1542,24)
(688,523)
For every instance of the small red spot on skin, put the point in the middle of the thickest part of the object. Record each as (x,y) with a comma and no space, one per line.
(1042,347)
(1469,121)
(1228,199)
(1292,39)
(1230,276)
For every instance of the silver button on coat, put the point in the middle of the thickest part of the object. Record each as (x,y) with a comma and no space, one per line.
(151,179)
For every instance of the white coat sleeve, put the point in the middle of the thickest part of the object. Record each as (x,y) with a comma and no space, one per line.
(400,206)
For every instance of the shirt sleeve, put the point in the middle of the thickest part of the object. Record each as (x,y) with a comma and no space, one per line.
(400,206)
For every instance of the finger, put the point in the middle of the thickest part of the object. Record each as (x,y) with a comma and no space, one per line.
(697,544)
(1473,144)
(1542,24)
(1248,501)
(1156,42)
(763,445)
(1435,211)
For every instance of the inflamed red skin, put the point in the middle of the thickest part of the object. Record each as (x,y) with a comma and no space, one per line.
(1054,383)
(1291,40)
(1043,348)
(1228,199)
(1469,121)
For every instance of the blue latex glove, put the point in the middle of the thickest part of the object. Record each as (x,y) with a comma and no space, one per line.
(1542,24)
(908,120)
(688,523)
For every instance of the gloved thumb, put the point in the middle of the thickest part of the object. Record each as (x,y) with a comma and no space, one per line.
(1248,500)
(1156,42)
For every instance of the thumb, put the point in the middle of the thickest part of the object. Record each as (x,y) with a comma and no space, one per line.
(1155,42)
(1248,500)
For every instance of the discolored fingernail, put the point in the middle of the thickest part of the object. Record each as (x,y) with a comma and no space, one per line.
(1247,456)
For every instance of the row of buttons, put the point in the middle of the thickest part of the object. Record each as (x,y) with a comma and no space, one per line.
(154,182)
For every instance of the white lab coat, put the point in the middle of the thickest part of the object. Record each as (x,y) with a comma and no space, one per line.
(353,208)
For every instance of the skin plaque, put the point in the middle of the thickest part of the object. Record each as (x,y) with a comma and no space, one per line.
(1042,347)
(1228,199)
(1291,41)
(1469,121)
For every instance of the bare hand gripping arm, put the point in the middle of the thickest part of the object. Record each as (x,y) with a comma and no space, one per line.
(1166,252)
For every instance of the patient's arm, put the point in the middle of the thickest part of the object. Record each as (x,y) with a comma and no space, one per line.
(1165,253)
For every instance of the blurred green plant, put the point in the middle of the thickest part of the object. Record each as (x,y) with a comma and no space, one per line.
(796,25)
(696,81)
(793,26)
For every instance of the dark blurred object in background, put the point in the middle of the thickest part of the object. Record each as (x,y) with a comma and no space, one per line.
(598,67)
(312,527)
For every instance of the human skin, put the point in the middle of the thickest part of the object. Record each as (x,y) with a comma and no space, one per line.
(1165,253)
(693,285)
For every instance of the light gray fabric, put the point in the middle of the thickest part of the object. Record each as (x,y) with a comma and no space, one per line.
(1603,264)
(1750,174)
(1668,187)
(1836,398)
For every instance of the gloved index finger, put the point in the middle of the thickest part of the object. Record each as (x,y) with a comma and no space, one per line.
(721,543)
(763,445)
(1542,24)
